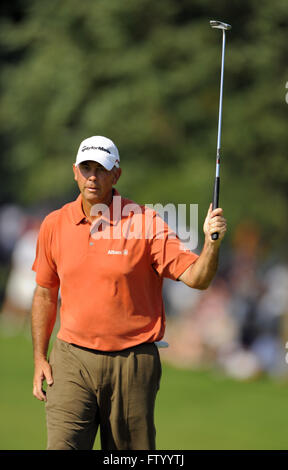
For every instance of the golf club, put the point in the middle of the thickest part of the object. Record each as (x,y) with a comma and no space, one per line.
(225,27)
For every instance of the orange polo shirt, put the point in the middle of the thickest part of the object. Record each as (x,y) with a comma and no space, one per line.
(110,273)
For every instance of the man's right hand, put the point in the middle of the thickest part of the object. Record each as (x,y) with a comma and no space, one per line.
(42,372)
(43,316)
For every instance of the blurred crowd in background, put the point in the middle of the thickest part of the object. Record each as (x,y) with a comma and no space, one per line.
(146,74)
(238,325)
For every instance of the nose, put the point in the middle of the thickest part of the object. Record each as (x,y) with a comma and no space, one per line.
(93,174)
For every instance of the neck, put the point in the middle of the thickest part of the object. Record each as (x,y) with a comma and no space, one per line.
(87,206)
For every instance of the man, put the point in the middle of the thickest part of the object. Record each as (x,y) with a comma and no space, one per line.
(108,257)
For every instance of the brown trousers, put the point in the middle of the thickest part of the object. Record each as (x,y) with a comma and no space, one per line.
(113,390)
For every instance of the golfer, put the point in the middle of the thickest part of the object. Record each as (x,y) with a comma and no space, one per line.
(107,258)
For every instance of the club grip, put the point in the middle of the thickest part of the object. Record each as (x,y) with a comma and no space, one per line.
(215,202)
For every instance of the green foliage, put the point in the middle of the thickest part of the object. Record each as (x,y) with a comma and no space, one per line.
(146,74)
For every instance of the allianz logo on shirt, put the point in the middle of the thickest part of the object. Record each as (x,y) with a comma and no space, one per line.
(115,252)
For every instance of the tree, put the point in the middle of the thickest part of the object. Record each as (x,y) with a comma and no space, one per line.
(146,74)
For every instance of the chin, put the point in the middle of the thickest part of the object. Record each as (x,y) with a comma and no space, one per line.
(94,200)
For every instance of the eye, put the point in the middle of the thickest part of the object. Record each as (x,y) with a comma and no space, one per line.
(101,169)
(85,165)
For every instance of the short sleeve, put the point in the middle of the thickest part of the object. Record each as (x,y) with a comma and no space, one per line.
(169,257)
(44,264)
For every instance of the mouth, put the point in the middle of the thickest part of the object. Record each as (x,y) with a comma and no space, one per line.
(92,189)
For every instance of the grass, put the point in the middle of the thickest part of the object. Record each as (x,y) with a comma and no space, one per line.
(202,410)
(194,410)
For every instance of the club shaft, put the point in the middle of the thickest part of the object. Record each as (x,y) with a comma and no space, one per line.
(221,96)
(216,188)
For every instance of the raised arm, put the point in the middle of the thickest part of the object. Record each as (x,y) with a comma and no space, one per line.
(200,274)
(44,311)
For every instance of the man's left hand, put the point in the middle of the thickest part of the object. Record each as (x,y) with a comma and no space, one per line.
(214,222)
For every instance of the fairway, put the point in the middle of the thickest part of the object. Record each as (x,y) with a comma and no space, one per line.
(194,409)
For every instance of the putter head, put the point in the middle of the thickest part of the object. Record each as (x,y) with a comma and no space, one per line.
(220,25)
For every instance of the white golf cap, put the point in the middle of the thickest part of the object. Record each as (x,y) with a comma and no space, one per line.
(99,149)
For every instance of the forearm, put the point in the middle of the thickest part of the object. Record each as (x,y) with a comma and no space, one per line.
(200,274)
(44,311)
(205,268)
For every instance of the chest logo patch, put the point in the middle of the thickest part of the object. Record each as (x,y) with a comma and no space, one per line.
(120,252)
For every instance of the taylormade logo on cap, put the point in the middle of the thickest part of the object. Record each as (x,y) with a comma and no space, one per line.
(95,148)
(98,149)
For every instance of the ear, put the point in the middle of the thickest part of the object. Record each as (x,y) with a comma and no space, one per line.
(75,171)
(117,173)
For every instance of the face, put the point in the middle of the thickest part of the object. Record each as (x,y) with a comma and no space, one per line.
(95,182)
